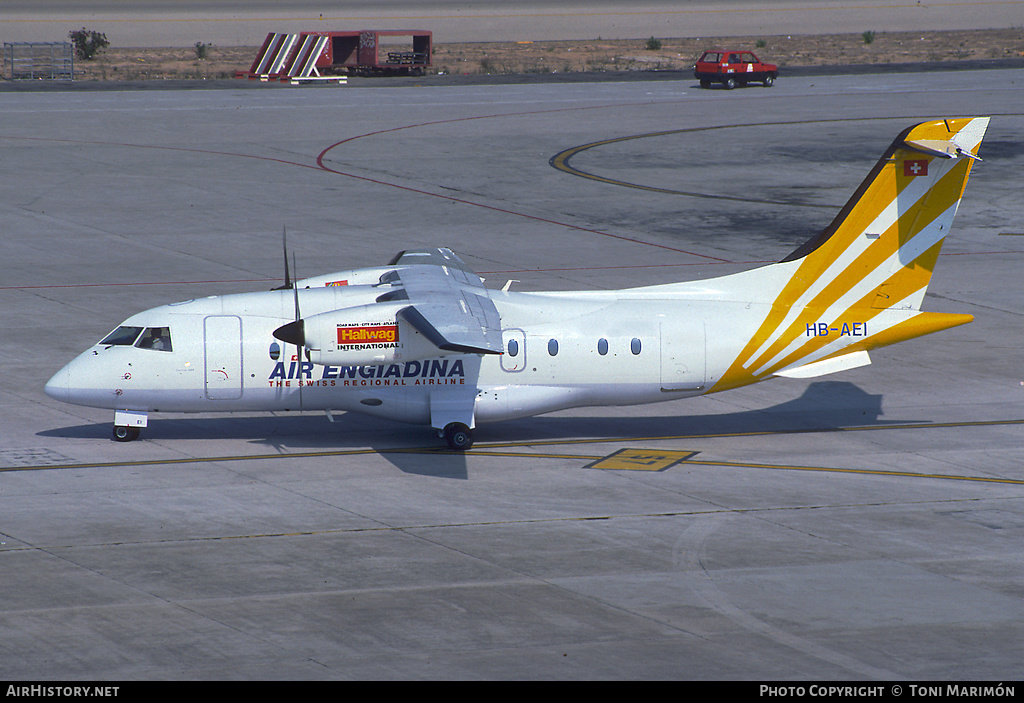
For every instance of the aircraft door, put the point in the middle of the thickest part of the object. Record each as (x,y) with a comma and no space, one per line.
(514,358)
(683,356)
(222,344)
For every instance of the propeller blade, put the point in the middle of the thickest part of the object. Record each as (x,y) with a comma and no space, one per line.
(287,274)
(295,289)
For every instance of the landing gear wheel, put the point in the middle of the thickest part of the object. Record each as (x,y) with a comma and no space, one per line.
(458,436)
(125,434)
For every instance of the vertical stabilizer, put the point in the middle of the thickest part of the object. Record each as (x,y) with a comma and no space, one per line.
(860,283)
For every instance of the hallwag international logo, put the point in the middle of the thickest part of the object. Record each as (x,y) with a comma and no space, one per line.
(367,334)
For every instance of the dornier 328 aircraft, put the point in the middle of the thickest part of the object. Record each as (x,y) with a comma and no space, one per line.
(421,340)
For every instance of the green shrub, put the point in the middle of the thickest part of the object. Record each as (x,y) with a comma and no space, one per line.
(868,37)
(88,43)
(653,44)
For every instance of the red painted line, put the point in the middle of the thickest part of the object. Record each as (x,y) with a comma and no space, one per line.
(482,273)
(321,164)
(633,266)
(762,262)
(319,159)
(143,283)
(165,148)
(524,215)
(322,167)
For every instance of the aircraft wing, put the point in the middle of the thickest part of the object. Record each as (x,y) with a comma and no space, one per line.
(449,304)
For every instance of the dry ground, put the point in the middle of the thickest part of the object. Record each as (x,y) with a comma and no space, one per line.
(596,55)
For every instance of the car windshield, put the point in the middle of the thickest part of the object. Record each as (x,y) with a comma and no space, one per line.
(122,336)
(710,57)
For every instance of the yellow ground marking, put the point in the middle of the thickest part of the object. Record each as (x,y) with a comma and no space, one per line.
(622,460)
(625,460)
(641,460)
(753,433)
(868,472)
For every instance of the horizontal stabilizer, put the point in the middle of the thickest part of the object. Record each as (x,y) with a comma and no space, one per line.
(938,147)
(845,362)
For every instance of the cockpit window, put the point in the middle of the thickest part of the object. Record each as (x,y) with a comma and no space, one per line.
(158,338)
(122,336)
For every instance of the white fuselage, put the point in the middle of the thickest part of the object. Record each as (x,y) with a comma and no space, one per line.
(561,350)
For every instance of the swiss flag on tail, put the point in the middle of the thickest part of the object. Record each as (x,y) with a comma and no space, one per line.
(915,167)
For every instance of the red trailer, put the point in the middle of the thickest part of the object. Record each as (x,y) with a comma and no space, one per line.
(379,52)
(310,55)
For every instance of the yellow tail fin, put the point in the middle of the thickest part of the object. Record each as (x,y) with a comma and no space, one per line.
(859,285)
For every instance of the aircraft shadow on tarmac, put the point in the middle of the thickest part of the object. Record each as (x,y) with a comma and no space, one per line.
(824,406)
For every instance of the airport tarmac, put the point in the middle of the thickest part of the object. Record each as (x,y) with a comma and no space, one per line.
(866,525)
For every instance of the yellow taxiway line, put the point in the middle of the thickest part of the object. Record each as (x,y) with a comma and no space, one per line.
(647,458)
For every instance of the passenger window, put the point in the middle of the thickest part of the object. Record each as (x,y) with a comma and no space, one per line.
(634,346)
(552,347)
(158,338)
(122,336)
(747,58)
(513,347)
(602,346)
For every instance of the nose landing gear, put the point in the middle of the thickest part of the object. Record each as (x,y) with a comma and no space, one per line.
(125,434)
(128,424)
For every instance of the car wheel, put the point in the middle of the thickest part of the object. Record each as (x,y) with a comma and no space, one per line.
(769,81)
(729,83)
(705,83)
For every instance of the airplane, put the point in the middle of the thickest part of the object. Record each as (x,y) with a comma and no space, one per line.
(422,340)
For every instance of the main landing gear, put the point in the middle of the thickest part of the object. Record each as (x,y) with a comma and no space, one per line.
(458,436)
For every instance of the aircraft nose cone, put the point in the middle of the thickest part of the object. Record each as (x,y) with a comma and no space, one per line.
(292,333)
(57,387)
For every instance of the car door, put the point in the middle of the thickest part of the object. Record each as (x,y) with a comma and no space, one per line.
(733,64)
(750,65)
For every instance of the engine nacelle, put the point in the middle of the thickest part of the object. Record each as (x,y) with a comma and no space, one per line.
(352,277)
(364,335)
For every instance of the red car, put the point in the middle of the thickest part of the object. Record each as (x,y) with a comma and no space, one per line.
(732,68)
